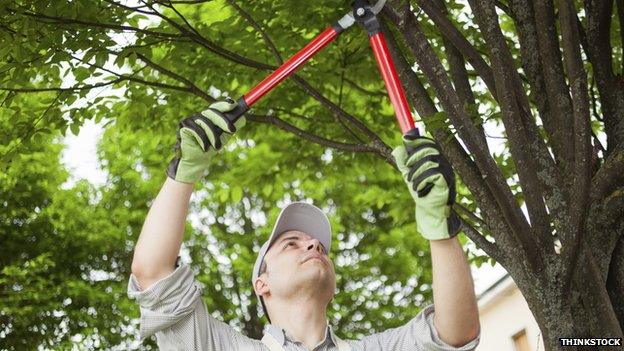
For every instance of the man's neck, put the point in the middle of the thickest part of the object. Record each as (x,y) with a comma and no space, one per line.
(304,320)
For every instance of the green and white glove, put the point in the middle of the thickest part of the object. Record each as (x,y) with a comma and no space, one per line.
(199,138)
(431,182)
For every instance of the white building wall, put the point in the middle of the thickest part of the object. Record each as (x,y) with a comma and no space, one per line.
(503,312)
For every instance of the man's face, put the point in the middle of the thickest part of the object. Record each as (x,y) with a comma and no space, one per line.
(298,263)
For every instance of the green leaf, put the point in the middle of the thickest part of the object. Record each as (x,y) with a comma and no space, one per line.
(267,190)
(237,194)
(75,128)
(224,195)
(81,73)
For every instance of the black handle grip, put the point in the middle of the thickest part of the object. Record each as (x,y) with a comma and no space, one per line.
(238,111)
(411,135)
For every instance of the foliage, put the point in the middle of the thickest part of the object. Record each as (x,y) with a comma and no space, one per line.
(64,258)
(67,252)
(324,135)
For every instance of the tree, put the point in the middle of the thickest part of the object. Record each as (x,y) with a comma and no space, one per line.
(545,198)
(57,285)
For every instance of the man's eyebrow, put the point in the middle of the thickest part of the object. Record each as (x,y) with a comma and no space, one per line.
(289,238)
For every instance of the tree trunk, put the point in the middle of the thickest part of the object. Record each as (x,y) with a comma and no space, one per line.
(615,281)
(553,318)
(586,311)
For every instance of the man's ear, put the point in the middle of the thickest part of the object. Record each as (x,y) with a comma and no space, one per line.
(261,287)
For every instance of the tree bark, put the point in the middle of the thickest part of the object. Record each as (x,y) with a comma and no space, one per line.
(610,87)
(615,280)
(584,311)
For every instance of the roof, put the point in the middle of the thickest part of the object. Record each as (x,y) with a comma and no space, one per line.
(496,290)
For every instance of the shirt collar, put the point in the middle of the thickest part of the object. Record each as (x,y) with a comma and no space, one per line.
(282,335)
(332,336)
(276,332)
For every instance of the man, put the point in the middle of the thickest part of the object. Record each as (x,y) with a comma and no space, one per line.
(293,276)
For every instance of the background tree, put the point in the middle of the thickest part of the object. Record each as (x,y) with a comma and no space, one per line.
(61,254)
(544,198)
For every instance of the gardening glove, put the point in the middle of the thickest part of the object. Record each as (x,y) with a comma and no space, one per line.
(199,138)
(431,182)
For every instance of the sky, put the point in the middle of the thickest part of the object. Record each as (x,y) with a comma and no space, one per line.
(79,156)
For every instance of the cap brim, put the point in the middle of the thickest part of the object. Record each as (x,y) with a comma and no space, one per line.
(304,218)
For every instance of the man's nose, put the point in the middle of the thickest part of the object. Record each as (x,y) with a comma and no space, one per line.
(314,244)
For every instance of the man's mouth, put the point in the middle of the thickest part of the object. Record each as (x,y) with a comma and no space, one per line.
(312,257)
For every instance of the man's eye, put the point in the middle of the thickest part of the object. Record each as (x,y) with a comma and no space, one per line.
(289,243)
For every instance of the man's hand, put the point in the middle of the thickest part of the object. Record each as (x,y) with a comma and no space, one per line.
(199,138)
(431,182)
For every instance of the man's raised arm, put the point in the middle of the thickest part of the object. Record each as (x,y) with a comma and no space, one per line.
(431,183)
(161,237)
(199,138)
(456,313)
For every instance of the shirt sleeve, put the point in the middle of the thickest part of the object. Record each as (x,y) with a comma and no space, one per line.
(172,308)
(416,335)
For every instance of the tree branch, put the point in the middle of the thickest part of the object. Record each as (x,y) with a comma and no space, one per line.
(63,21)
(556,191)
(29,132)
(341,113)
(314,138)
(507,82)
(132,78)
(213,47)
(365,91)
(555,84)
(74,88)
(172,7)
(609,176)
(461,161)
(490,249)
(433,69)
(600,55)
(620,10)
(191,86)
(524,19)
(184,33)
(461,209)
(458,73)
(133,9)
(453,35)
(582,135)
(259,29)
(336,110)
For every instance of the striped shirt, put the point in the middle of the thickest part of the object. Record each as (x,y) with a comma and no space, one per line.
(173,309)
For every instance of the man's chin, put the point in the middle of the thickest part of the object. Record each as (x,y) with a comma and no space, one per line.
(316,277)
(318,281)
(314,270)
(316,267)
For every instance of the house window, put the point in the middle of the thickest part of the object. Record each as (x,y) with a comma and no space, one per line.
(521,342)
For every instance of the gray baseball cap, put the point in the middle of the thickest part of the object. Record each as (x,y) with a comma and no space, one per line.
(298,216)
